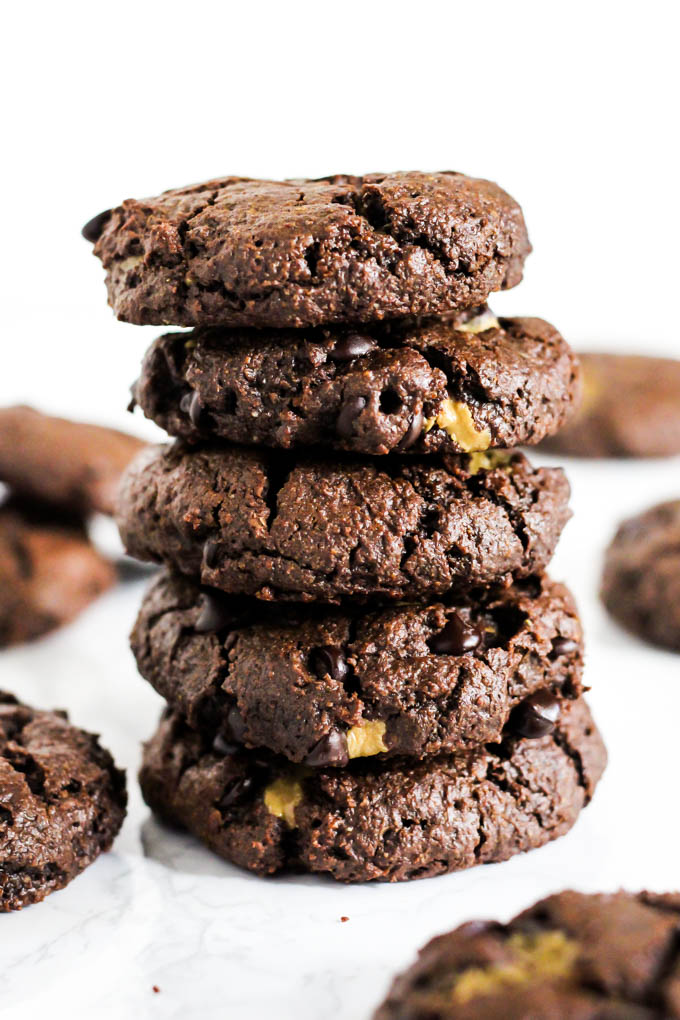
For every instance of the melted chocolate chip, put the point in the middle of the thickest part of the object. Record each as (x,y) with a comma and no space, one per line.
(329,660)
(211,551)
(350,410)
(191,404)
(215,613)
(537,715)
(236,791)
(352,346)
(562,646)
(330,750)
(234,728)
(457,637)
(224,747)
(93,228)
(414,430)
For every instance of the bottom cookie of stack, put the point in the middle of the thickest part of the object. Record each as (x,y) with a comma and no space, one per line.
(390,820)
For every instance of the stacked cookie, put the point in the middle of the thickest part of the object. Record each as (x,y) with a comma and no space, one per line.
(367,671)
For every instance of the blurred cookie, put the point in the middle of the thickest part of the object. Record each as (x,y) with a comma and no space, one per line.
(641,580)
(570,955)
(240,252)
(322,686)
(630,408)
(49,572)
(66,463)
(458,386)
(256,522)
(62,802)
(387,821)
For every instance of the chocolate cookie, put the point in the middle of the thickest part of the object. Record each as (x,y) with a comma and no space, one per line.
(458,386)
(570,955)
(320,686)
(641,581)
(239,252)
(49,572)
(630,408)
(62,802)
(389,821)
(256,523)
(63,462)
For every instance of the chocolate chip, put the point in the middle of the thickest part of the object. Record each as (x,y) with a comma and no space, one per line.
(236,791)
(211,551)
(328,660)
(330,750)
(562,646)
(537,715)
(414,430)
(93,228)
(215,613)
(352,346)
(234,728)
(350,410)
(457,637)
(191,404)
(224,747)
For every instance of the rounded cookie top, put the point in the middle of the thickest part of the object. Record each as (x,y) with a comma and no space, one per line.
(257,523)
(49,572)
(641,579)
(323,686)
(452,811)
(240,252)
(62,802)
(576,955)
(630,408)
(459,386)
(70,464)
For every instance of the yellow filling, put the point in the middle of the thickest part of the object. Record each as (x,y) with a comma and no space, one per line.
(487,461)
(547,956)
(487,320)
(455,418)
(282,797)
(367,739)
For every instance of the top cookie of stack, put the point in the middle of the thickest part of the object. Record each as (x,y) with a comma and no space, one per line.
(321,270)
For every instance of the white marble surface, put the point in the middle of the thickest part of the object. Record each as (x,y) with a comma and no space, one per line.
(161,911)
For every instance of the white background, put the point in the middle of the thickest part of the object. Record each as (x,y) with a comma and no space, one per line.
(573,109)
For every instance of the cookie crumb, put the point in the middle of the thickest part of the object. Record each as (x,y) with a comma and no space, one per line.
(343,919)
(155,989)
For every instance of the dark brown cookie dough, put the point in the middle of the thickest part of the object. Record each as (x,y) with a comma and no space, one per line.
(259,523)
(49,572)
(570,955)
(239,252)
(67,463)
(321,686)
(62,802)
(630,408)
(458,386)
(641,580)
(388,821)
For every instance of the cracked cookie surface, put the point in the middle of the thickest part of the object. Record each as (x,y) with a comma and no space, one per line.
(571,955)
(240,252)
(381,389)
(641,578)
(316,685)
(49,571)
(258,523)
(62,802)
(389,821)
